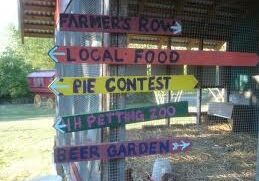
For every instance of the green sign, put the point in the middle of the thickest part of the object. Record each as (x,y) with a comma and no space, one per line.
(120,117)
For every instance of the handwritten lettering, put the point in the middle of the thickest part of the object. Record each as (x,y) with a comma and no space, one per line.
(124,84)
(126,116)
(120,150)
(120,55)
(112,24)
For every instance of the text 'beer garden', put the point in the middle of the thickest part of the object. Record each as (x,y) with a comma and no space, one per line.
(107,151)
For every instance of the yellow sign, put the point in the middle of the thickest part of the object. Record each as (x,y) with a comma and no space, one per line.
(90,85)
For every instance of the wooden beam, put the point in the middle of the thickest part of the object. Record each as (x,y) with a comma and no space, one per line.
(39,13)
(39,35)
(39,8)
(39,27)
(38,17)
(20,19)
(31,1)
(40,3)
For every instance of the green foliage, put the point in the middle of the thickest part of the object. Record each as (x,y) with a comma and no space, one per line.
(18,60)
(13,72)
(34,51)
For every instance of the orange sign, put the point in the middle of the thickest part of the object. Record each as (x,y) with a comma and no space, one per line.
(100,55)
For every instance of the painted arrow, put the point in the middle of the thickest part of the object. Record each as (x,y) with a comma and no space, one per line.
(53,53)
(115,118)
(183,145)
(125,84)
(114,150)
(59,125)
(177,28)
(131,56)
(55,86)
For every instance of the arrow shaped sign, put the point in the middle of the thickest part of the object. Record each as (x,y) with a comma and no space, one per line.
(115,24)
(114,150)
(101,85)
(116,118)
(131,56)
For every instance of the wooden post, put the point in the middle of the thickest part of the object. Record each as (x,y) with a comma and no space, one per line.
(168,71)
(116,167)
(199,90)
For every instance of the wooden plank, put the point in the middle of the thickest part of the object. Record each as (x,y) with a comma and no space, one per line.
(114,24)
(130,56)
(101,85)
(67,124)
(38,18)
(115,150)
(51,3)
(38,26)
(39,35)
(31,1)
(39,13)
(39,8)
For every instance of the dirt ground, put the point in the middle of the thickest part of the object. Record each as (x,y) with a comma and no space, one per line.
(217,153)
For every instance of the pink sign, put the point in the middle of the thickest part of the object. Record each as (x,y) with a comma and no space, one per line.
(115,24)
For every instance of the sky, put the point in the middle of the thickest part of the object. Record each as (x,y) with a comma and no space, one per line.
(8,15)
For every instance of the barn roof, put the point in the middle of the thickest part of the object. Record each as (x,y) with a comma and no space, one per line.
(42,73)
(208,18)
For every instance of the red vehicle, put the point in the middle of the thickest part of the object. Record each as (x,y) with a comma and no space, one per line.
(38,83)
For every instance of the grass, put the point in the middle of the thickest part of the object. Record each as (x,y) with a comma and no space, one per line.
(15,112)
(26,137)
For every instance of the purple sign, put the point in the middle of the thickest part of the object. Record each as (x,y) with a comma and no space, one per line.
(107,151)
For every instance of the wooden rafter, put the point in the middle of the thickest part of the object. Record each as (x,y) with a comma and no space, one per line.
(39,8)
(39,27)
(39,35)
(37,18)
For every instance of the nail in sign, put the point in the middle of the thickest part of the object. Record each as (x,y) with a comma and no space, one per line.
(107,151)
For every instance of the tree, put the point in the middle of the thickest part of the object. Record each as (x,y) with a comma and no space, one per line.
(34,51)
(13,72)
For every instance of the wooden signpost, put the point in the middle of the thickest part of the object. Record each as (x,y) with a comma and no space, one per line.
(114,150)
(130,56)
(117,118)
(67,86)
(115,24)
(121,84)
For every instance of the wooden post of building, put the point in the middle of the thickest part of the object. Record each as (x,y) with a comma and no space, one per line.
(199,88)
(168,72)
(116,167)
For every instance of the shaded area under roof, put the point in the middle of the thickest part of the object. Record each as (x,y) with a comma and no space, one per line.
(36,18)
(209,19)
